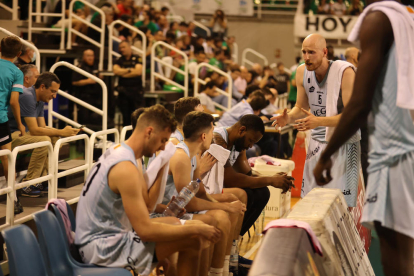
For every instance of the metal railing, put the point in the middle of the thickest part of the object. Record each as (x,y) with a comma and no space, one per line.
(197,80)
(178,70)
(103,112)
(85,167)
(235,54)
(142,51)
(275,8)
(13,10)
(203,27)
(28,45)
(177,18)
(101,30)
(281,101)
(255,53)
(98,134)
(60,29)
(124,131)
(9,191)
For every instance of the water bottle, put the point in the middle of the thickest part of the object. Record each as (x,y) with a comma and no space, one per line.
(185,195)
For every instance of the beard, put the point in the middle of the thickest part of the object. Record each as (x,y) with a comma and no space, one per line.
(239,144)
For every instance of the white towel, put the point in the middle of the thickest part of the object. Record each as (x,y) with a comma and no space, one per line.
(213,179)
(151,174)
(334,86)
(403,28)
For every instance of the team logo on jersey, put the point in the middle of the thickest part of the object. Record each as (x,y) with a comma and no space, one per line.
(311,89)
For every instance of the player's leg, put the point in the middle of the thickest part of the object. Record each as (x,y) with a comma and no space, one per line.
(242,196)
(396,252)
(256,202)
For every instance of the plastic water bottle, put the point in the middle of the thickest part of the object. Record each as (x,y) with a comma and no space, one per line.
(185,195)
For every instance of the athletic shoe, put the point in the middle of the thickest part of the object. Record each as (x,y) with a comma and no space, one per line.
(242,271)
(43,187)
(245,262)
(31,191)
(18,208)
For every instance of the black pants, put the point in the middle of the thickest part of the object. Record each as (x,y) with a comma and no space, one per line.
(256,202)
(129,99)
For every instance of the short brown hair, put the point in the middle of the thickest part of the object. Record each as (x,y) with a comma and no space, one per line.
(258,100)
(10,46)
(135,115)
(195,123)
(184,106)
(158,117)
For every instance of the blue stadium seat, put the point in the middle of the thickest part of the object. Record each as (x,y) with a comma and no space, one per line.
(55,251)
(23,252)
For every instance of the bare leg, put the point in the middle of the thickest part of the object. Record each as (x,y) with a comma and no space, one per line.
(242,196)
(396,252)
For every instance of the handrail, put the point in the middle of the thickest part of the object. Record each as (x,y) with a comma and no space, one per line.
(142,51)
(235,54)
(103,112)
(93,138)
(155,74)
(84,167)
(124,131)
(221,72)
(177,18)
(9,191)
(61,29)
(101,30)
(27,44)
(257,54)
(202,26)
(13,10)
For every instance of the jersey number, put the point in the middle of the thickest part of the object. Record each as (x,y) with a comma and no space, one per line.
(98,166)
(320,99)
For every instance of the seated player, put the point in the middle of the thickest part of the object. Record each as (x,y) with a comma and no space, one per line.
(114,228)
(198,134)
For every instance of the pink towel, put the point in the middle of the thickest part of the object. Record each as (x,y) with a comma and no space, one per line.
(269,160)
(289,223)
(61,205)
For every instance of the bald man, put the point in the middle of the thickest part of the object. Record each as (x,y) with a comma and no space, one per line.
(312,89)
(352,55)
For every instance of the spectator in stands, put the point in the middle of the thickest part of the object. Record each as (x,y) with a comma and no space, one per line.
(130,92)
(356,8)
(88,90)
(250,89)
(147,22)
(324,8)
(165,11)
(240,83)
(32,116)
(109,18)
(190,29)
(218,59)
(209,47)
(258,69)
(162,24)
(174,27)
(170,37)
(352,55)
(126,7)
(268,79)
(237,138)
(200,57)
(293,68)
(28,56)
(271,96)
(230,46)
(252,77)
(338,8)
(206,96)
(282,79)
(331,53)
(235,74)
(136,237)
(253,105)
(218,24)
(197,44)
(30,74)
(182,29)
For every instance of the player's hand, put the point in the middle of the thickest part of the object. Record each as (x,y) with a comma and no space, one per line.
(69,131)
(236,207)
(282,181)
(281,120)
(165,264)
(310,122)
(22,129)
(207,161)
(208,232)
(324,165)
(182,211)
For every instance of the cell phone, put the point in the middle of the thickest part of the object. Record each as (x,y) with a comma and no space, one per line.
(82,126)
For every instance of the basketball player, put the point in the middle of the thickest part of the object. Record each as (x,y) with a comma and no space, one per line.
(311,80)
(389,202)
(114,228)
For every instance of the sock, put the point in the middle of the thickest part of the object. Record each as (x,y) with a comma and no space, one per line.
(234,258)
(226,266)
(215,272)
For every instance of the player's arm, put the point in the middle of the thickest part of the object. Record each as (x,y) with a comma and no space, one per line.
(202,193)
(242,164)
(125,179)
(376,37)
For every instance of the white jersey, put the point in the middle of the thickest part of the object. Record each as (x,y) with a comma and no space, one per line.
(103,231)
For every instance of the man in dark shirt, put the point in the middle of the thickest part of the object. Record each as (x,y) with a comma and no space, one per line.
(87,89)
(28,56)
(130,92)
(282,79)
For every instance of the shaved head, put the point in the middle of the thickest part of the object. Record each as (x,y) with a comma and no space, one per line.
(352,55)
(258,68)
(314,51)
